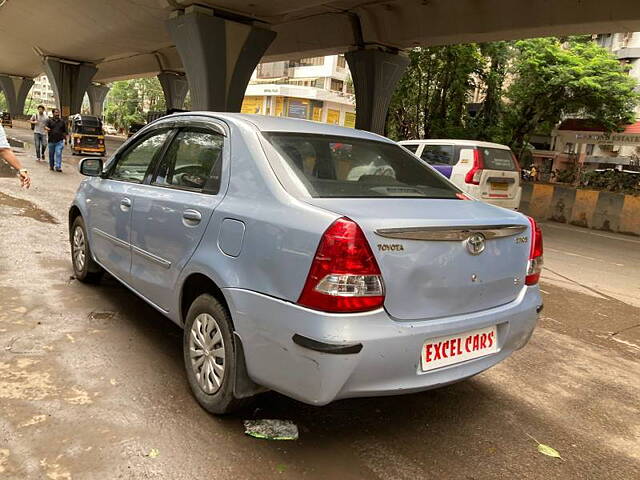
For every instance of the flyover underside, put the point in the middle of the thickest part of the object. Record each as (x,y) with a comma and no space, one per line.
(128,39)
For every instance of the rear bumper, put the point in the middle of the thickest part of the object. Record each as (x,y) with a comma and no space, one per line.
(373,353)
(510,203)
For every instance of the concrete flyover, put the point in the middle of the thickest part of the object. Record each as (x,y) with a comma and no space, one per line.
(217,43)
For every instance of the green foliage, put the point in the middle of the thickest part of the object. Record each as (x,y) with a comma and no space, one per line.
(431,98)
(553,80)
(3,102)
(129,100)
(526,87)
(612,181)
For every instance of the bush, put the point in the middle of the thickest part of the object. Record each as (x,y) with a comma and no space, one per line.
(612,181)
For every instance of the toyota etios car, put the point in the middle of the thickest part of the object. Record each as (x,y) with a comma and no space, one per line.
(318,261)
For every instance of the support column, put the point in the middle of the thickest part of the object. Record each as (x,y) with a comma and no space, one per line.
(15,91)
(175,87)
(69,81)
(97,92)
(218,55)
(375,76)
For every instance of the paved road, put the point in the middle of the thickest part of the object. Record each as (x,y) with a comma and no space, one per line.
(91,379)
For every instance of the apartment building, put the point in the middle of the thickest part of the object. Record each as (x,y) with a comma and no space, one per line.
(316,88)
(626,47)
(41,94)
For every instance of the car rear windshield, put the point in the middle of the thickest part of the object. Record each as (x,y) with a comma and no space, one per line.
(332,166)
(498,159)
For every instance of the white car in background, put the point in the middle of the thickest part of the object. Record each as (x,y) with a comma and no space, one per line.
(110,130)
(486,171)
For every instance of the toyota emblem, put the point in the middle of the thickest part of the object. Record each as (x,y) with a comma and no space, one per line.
(476,243)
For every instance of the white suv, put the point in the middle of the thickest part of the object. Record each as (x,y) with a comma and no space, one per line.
(486,171)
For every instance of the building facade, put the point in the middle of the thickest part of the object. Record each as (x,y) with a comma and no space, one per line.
(583,143)
(41,94)
(626,47)
(316,88)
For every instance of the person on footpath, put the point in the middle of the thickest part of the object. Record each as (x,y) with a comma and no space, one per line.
(8,156)
(57,129)
(38,124)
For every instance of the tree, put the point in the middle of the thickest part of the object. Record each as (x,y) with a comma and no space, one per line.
(553,80)
(3,102)
(432,96)
(129,100)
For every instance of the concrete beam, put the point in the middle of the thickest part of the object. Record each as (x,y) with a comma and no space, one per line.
(375,76)
(175,88)
(69,81)
(219,56)
(97,93)
(15,91)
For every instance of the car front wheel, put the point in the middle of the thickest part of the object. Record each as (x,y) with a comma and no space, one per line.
(209,355)
(84,267)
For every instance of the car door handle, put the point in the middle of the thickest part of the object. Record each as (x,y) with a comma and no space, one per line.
(125,204)
(192,216)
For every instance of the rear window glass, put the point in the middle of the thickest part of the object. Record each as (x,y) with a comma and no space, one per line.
(346,167)
(498,159)
(438,154)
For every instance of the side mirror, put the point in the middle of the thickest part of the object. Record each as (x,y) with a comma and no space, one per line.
(91,167)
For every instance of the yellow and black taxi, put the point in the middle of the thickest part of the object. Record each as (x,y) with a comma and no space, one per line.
(87,135)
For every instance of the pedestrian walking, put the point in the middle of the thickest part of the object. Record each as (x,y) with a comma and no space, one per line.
(57,129)
(38,124)
(8,156)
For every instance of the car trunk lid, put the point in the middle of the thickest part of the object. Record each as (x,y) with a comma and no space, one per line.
(427,267)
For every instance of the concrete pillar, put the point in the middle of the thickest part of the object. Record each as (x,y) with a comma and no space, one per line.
(15,91)
(218,55)
(375,76)
(69,81)
(175,88)
(97,92)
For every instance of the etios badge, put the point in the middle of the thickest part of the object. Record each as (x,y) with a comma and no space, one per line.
(476,243)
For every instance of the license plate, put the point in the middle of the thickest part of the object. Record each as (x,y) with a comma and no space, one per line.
(443,351)
(500,186)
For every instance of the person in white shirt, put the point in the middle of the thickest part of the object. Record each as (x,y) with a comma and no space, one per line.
(8,156)
(38,122)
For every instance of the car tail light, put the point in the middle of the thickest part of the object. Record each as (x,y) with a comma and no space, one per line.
(534,266)
(473,175)
(344,276)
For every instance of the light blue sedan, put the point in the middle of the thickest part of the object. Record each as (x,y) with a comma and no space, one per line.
(317,261)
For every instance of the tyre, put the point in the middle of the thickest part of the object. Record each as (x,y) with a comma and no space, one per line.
(209,355)
(85,268)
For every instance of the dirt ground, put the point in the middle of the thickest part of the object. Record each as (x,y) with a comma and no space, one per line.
(92,383)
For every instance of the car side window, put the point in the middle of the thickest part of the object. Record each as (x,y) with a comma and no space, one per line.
(193,161)
(438,154)
(412,147)
(134,163)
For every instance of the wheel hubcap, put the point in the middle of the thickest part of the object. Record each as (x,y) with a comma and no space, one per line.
(206,350)
(78,249)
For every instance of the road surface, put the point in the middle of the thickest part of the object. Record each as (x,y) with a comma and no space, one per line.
(92,383)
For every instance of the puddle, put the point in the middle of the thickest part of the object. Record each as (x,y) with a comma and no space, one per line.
(27,209)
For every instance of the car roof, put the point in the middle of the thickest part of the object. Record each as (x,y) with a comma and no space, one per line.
(266,123)
(447,141)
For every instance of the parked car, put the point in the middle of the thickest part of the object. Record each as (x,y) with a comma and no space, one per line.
(110,130)
(487,171)
(289,272)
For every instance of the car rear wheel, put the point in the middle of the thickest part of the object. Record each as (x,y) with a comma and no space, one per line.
(84,267)
(209,355)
